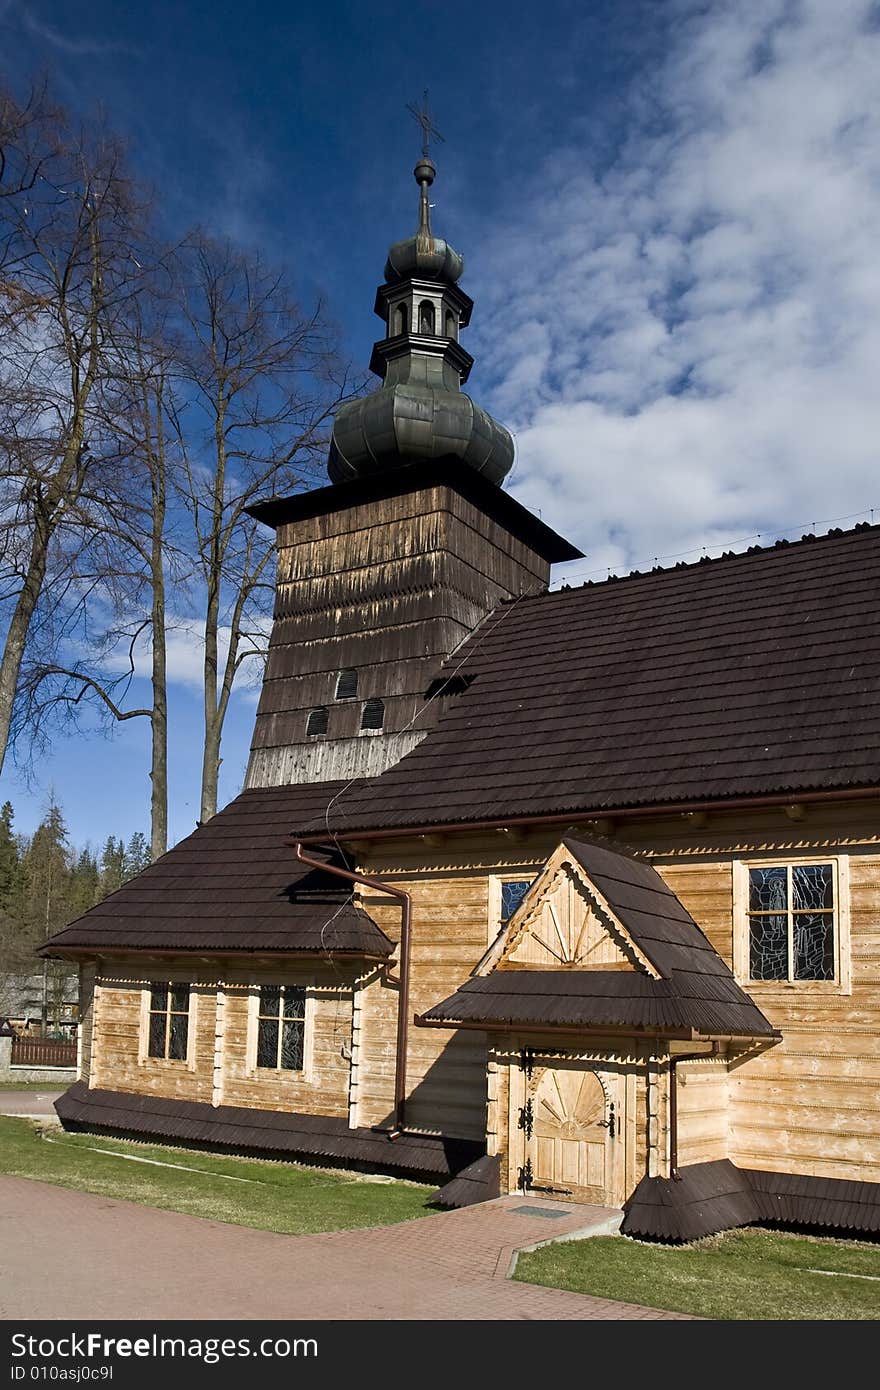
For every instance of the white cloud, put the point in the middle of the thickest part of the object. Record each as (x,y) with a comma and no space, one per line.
(688,347)
(185,653)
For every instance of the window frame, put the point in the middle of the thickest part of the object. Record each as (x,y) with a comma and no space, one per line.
(842,981)
(318,710)
(373,700)
(496,922)
(348,671)
(281,1074)
(145,1058)
(280,1019)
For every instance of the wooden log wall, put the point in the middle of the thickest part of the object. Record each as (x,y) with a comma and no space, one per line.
(806,1105)
(446,1075)
(221,1068)
(703,1110)
(86,1020)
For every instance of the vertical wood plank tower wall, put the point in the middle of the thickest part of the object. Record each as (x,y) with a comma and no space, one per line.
(384,579)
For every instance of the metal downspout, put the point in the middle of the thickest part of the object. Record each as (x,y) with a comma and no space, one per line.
(404,970)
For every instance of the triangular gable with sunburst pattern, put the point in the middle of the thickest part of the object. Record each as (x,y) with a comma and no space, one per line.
(564,923)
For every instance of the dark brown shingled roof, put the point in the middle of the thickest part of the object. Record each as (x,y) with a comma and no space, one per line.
(751,675)
(710,1197)
(601,998)
(697,990)
(233,885)
(479,1182)
(278,1132)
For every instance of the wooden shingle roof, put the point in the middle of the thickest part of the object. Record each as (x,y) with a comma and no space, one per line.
(754,674)
(696,991)
(233,885)
(278,1133)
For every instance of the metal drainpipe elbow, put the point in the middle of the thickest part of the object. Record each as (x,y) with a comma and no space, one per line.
(398,1124)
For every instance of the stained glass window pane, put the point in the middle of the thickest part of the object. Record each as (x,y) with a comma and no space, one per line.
(812,887)
(768,947)
(267,1043)
(768,890)
(157,1035)
(180,999)
(159,997)
(813,946)
(292,1046)
(294,1001)
(270,1001)
(512,894)
(177,1037)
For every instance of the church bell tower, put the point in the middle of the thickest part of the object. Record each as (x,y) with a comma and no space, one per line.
(383,574)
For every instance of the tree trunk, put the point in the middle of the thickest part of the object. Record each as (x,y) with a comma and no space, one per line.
(159,723)
(211,753)
(16,638)
(210,763)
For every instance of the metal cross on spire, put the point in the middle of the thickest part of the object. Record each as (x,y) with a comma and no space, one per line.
(423,116)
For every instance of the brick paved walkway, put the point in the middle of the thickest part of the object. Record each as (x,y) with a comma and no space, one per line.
(78,1256)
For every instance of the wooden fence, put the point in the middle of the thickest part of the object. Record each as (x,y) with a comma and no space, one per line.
(41,1052)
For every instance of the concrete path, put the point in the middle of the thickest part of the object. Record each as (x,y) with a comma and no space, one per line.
(78,1256)
(32,1104)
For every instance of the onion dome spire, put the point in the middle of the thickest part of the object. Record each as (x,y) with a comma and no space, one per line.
(424,254)
(420,411)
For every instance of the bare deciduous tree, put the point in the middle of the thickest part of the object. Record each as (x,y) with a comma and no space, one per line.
(262,380)
(69,275)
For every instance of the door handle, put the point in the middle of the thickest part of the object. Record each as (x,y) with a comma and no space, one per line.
(609,1124)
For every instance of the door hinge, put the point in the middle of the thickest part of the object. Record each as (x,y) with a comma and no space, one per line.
(525,1177)
(526,1120)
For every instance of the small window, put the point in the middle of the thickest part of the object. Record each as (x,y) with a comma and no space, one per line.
(373,716)
(427,318)
(347,685)
(317,721)
(169,1022)
(401,319)
(450,324)
(281,1027)
(512,893)
(791,916)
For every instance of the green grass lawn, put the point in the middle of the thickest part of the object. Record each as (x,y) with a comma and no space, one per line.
(752,1274)
(270,1196)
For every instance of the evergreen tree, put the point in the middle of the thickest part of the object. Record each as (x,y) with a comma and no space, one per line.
(10,865)
(47,902)
(137,855)
(113,873)
(85,883)
(47,891)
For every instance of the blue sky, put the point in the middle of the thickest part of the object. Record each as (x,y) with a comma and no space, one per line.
(669,214)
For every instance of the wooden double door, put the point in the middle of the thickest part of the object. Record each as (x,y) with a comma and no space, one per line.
(566,1132)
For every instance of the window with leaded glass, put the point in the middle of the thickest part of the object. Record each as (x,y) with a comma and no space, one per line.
(791,916)
(512,893)
(281,1027)
(169,1022)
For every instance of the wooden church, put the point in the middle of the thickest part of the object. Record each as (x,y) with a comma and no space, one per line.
(571,892)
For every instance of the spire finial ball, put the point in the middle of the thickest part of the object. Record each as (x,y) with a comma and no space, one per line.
(425,172)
